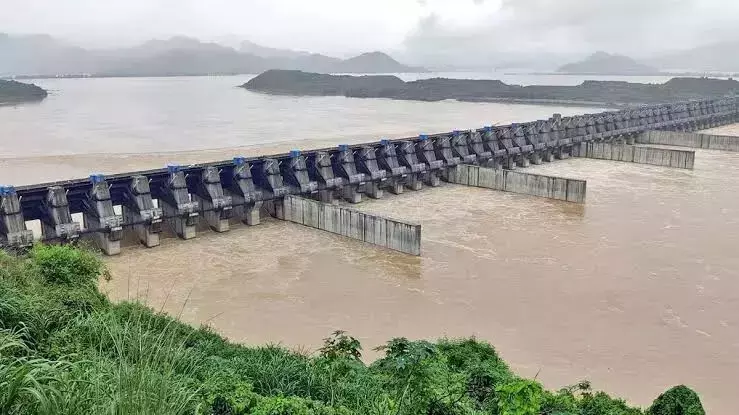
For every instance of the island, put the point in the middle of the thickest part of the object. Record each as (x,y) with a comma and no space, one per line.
(599,93)
(13,92)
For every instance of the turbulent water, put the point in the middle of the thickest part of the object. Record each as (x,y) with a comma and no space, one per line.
(637,290)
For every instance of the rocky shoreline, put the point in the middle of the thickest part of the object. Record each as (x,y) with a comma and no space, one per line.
(600,93)
(13,92)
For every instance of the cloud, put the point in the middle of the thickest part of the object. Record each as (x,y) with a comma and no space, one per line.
(315,25)
(449,31)
(507,29)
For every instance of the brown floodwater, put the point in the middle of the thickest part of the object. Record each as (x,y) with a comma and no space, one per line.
(637,290)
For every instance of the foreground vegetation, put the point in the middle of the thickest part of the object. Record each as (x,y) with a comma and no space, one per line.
(65,349)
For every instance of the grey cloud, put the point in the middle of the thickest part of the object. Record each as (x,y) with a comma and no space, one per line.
(330,26)
(421,32)
(562,29)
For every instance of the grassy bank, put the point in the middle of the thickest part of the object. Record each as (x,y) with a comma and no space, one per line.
(65,349)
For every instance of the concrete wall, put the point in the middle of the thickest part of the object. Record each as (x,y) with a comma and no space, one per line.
(694,140)
(558,188)
(635,154)
(377,230)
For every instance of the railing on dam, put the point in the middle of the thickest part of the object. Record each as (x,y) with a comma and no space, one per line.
(181,196)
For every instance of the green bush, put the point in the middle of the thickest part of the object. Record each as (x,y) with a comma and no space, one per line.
(63,264)
(519,397)
(341,346)
(223,390)
(679,400)
(29,302)
(600,404)
(295,406)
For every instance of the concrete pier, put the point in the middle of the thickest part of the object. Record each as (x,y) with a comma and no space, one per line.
(215,207)
(100,218)
(139,211)
(558,188)
(246,198)
(346,168)
(180,212)
(693,140)
(376,230)
(13,230)
(56,217)
(636,154)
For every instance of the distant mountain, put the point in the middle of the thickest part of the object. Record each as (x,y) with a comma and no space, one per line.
(267,52)
(188,62)
(41,55)
(158,46)
(602,63)
(314,62)
(374,62)
(716,57)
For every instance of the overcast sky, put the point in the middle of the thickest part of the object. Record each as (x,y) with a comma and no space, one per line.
(341,27)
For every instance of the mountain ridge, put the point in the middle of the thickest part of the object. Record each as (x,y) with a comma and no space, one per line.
(42,55)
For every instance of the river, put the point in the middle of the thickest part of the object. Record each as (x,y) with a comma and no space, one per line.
(637,290)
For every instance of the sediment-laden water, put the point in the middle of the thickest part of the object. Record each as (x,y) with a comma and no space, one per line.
(637,290)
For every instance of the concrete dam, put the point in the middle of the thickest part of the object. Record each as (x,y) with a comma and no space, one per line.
(306,187)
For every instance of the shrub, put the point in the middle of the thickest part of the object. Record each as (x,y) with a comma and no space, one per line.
(222,390)
(679,400)
(341,346)
(295,406)
(520,397)
(63,264)
(600,403)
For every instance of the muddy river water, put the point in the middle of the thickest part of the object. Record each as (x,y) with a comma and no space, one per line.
(637,290)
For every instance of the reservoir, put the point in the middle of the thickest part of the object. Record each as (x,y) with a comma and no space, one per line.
(637,290)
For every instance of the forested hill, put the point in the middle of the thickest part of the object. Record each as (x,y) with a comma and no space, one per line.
(281,82)
(12,92)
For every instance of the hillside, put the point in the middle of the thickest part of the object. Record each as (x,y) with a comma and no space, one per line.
(41,55)
(12,92)
(184,62)
(601,63)
(374,62)
(594,92)
(267,52)
(280,82)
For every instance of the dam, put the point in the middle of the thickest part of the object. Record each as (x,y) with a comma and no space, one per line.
(306,186)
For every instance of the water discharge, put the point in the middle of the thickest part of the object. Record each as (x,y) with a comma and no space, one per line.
(637,290)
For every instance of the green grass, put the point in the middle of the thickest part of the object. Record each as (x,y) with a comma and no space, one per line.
(66,349)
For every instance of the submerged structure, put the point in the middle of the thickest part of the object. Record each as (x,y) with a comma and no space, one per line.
(302,186)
